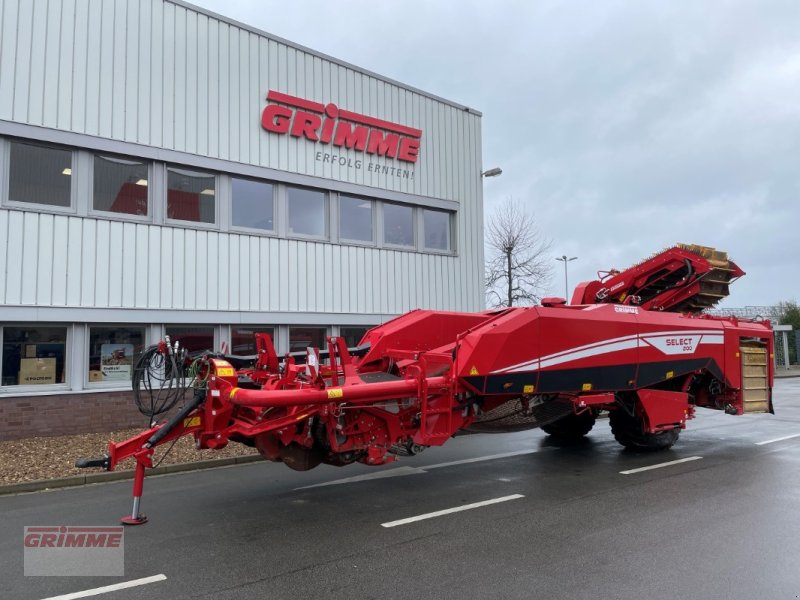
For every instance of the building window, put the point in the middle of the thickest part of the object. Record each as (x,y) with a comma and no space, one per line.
(40,175)
(301,338)
(113,352)
(437,229)
(243,339)
(252,204)
(120,185)
(398,225)
(34,355)
(355,219)
(352,335)
(307,212)
(196,340)
(190,195)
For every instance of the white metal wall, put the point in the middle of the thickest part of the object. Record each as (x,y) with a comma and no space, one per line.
(121,265)
(160,74)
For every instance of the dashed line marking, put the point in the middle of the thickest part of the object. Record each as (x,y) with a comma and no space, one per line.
(659,465)
(401,471)
(110,588)
(780,439)
(447,511)
(467,461)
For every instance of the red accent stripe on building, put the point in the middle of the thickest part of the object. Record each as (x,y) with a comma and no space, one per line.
(296,102)
(379,123)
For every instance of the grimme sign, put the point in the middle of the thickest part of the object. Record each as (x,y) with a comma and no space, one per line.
(60,550)
(328,124)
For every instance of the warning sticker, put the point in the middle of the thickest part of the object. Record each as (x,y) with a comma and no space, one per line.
(473,371)
(191,422)
(335,393)
(226,372)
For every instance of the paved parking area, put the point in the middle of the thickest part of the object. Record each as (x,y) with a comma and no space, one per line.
(504,516)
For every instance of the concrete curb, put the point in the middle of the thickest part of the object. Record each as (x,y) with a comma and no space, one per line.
(77,480)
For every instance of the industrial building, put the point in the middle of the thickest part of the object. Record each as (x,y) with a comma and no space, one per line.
(166,170)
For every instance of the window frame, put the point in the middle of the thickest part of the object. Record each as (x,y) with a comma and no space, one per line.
(374,220)
(326,334)
(10,390)
(450,221)
(94,212)
(214,328)
(414,246)
(258,329)
(326,198)
(92,385)
(274,232)
(164,189)
(5,178)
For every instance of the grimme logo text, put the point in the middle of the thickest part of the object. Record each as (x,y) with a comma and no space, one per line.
(73,537)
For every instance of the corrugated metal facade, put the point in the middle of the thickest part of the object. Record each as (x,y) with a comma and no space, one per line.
(65,261)
(160,74)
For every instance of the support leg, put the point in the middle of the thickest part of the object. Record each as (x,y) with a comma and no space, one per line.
(136,518)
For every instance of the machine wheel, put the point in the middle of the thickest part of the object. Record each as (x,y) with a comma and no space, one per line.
(629,431)
(571,427)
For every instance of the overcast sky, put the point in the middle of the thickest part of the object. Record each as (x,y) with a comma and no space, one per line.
(624,126)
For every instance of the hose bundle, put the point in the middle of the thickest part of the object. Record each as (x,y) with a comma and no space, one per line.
(160,379)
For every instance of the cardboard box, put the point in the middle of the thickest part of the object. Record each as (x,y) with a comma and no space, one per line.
(96,376)
(37,371)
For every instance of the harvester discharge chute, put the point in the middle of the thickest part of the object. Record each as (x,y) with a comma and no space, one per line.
(634,343)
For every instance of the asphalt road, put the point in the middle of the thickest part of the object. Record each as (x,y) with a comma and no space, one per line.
(726,525)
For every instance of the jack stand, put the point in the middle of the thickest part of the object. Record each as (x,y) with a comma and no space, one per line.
(136,518)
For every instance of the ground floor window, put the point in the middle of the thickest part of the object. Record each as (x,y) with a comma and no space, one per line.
(301,338)
(243,339)
(34,355)
(196,340)
(353,335)
(113,352)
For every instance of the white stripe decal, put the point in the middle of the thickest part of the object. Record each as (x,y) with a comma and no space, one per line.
(615,347)
(607,346)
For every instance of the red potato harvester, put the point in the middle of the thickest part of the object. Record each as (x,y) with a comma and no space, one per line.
(635,343)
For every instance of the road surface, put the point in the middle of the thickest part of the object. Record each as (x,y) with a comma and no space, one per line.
(485,516)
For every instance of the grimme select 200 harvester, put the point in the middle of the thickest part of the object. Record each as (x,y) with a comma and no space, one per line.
(635,343)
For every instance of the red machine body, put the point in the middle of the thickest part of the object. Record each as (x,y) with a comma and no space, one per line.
(649,357)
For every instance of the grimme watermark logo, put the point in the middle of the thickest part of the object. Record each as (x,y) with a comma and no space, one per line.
(60,550)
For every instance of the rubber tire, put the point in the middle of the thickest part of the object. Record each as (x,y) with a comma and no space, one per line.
(629,432)
(572,427)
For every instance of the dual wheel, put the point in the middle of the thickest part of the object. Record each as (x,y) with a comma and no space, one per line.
(628,430)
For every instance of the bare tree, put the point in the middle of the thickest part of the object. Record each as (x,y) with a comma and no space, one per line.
(518,267)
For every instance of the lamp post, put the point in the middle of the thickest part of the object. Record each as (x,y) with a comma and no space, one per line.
(493,172)
(565,260)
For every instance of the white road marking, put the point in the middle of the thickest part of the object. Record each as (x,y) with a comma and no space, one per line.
(401,471)
(110,588)
(659,465)
(478,459)
(448,511)
(398,472)
(780,439)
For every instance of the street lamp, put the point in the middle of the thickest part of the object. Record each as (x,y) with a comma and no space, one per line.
(493,172)
(565,260)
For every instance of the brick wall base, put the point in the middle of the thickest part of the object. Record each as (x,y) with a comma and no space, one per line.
(67,414)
